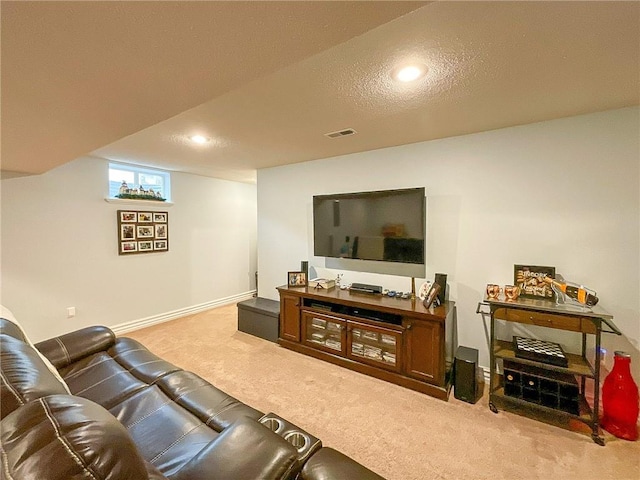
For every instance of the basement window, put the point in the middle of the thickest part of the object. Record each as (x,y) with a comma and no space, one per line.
(151,181)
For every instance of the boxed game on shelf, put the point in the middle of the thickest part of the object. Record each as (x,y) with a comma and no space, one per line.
(540,351)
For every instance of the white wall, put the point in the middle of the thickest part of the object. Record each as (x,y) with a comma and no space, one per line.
(564,193)
(59,249)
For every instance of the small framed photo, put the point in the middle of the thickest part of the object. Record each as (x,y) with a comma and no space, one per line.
(531,281)
(145,217)
(145,231)
(145,246)
(297,279)
(127,232)
(160,245)
(128,247)
(159,217)
(431,295)
(128,217)
(161,231)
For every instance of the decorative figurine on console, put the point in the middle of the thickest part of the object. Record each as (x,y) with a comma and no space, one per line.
(572,293)
(126,192)
(124,188)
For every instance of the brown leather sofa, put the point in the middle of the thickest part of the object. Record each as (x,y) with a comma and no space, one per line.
(119,412)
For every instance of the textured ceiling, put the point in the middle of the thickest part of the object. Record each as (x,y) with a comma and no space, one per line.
(490,65)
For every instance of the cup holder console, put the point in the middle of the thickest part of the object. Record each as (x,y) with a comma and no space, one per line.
(272,423)
(305,443)
(298,440)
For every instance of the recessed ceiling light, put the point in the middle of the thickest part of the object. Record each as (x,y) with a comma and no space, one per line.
(409,73)
(200,139)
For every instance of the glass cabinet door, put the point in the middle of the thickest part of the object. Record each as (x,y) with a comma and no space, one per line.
(378,346)
(324,332)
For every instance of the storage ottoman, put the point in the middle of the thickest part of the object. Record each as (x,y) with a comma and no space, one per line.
(260,317)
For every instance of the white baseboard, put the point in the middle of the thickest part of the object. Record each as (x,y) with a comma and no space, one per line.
(485,373)
(182,312)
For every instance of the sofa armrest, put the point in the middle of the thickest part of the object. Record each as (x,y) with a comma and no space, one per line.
(60,437)
(329,464)
(71,347)
(246,449)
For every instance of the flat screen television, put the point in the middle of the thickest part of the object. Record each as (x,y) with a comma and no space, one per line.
(377,232)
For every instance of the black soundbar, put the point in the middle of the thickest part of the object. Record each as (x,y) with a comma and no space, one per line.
(353,311)
(365,288)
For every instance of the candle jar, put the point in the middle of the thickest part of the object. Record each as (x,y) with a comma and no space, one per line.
(620,399)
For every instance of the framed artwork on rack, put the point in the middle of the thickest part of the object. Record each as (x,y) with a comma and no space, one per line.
(530,280)
(142,232)
(128,217)
(127,232)
(146,245)
(160,245)
(161,231)
(128,247)
(145,217)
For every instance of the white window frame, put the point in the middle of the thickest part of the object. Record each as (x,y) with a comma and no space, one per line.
(137,170)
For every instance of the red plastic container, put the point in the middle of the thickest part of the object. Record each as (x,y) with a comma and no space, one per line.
(620,399)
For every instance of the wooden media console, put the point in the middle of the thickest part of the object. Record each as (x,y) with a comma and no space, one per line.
(397,340)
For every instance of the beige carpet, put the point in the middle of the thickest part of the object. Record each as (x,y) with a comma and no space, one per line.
(398,433)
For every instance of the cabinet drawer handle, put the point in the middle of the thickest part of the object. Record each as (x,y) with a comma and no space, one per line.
(548,320)
(409,326)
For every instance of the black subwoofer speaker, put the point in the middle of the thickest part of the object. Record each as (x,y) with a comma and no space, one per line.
(465,366)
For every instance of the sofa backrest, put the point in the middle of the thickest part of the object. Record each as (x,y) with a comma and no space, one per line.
(10,325)
(12,329)
(24,376)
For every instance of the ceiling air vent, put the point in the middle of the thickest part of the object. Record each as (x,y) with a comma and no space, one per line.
(341,133)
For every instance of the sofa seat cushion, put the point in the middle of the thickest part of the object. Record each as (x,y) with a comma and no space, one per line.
(244,451)
(23,376)
(167,435)
(208,403)
(62,437)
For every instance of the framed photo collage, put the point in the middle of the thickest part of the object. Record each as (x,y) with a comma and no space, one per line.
(142,232)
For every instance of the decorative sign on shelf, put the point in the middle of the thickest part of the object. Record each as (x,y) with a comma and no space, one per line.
(530,280)
(142,232)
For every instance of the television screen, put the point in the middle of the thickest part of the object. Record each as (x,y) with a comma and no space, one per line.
(384,226)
